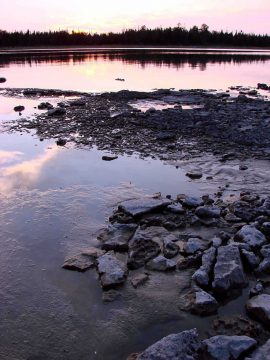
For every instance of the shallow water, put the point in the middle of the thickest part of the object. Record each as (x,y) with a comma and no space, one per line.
(95,70)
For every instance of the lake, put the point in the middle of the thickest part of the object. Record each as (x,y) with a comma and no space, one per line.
(95,70)
(55,199)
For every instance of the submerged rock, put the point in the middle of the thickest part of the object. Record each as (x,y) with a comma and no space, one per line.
(160,263)
(182,346)
(139,279)
(251,236)
(194,175)
(116,237)
(228,271)
(112,271)
(145,245)
(259,308)
(143,206)
(80,262)
(222,347)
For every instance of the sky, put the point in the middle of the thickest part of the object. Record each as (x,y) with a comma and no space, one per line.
(115,15)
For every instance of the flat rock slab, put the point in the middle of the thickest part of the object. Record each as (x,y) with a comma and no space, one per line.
(79,262)
(143,206)
(112,271)
(116,237)
(262,353)
(145,245)
(259,308)
(251,236)
(228,271)
(182,346)
(224,347)
(160,263)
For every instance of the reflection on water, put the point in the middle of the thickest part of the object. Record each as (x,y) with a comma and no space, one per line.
(96,70)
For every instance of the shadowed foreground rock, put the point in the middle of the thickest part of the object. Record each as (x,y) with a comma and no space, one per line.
(183,346)
(263,353)
(259,308)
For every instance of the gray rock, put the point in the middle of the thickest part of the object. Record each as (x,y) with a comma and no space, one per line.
(262,353)
(80,262)
(206,212)
(256,290)
(143,206)
(182,346)
(202,275)
(139,279)
(264,267)
(228,271)
(192,202)
(251,236)
(58,111)
(112,271)
(199,302)
(116,237)
(193,245)
(250,259)
(145,245)
(194,174)
(259,308)
(170,248)
(176,209)
(222,347)
(265,251)
(244,211)
(160,263)
(19,108)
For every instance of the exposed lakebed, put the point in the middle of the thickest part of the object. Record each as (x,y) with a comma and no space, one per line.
(56,199)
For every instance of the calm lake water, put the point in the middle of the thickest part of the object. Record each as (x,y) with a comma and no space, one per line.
(142,69)
(54,200)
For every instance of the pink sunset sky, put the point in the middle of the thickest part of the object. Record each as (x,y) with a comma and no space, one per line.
(114,15)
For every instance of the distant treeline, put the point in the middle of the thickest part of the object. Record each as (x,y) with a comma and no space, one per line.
(179,35)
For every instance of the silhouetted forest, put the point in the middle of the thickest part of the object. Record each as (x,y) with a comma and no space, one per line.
(179,35)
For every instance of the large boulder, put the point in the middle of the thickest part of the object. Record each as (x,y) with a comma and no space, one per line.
(143,206)
(203,274)
(228,271)
(116,237)
(259,308)
(222,347)
(251,236)
(145,245)
(182,346)
(112,271)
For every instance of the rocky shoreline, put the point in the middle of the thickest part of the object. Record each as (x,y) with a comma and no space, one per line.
(223,241)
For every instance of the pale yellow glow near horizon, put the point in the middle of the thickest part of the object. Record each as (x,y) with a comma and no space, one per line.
(108,15)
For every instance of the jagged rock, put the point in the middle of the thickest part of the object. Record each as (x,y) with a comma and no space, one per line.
(170,248)
(116,237)
(112,271)
(259,308)
(251,236)
(199,302)
(110,295)
(222,347)
(80,262)
(203,274)
(139,279)
(58,111)
(206,212)
(262,353)
(145,245)
(250,259)
(193,245)
(228,271)
(182,346)
(160,263)
(143,206)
